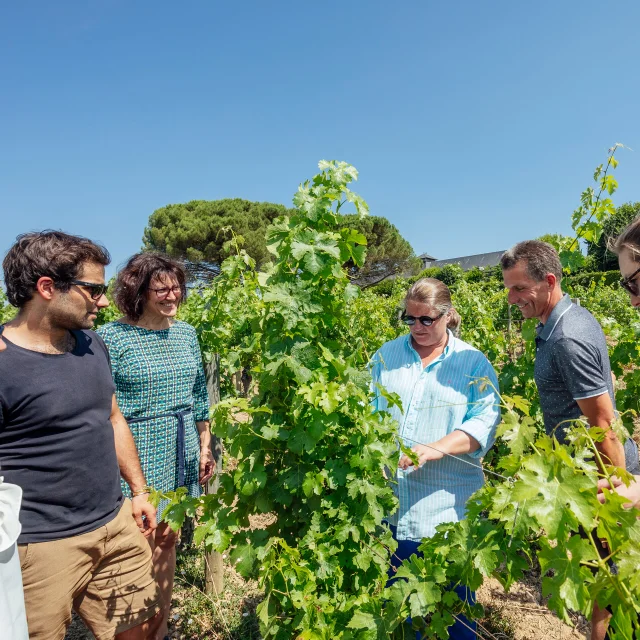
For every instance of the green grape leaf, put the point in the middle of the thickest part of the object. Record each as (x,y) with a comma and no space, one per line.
(518,433)
(568,585)
(393,399)
(426,594)
(243,559)
(556,496)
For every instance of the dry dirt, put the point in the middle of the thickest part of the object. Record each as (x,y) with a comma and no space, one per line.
(526,614)
(522,608)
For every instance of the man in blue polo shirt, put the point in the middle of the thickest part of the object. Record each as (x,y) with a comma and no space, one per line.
(572,369)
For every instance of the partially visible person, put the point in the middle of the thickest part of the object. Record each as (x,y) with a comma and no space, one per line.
(627,248)
(161,388)
(631,491)
(572,369)
(449,420)
(64,442)
(13,618)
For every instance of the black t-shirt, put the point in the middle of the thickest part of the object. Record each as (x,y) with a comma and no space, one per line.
(56,438)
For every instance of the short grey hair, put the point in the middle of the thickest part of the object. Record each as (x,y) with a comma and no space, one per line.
(540,258)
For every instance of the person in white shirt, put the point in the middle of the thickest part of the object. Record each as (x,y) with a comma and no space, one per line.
(13,618)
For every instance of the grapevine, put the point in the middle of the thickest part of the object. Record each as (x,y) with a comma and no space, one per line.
(314,458)
(312,453)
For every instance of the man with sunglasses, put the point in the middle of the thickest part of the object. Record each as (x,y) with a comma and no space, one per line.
(572,369)
(64,441)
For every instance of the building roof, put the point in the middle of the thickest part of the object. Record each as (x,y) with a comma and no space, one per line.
(426,256)
(469,262)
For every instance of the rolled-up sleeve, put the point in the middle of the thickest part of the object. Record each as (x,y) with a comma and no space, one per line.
(483,410)
(374,370)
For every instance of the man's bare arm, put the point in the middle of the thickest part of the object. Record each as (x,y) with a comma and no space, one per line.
(131,471)
(599,412)
(128,460)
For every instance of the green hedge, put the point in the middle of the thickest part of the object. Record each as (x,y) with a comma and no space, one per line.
(385,288)
(606,278)
(451,274)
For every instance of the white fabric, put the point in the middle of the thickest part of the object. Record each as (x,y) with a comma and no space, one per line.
(13,620)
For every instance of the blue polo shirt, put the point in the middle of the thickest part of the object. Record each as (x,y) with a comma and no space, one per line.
(572,363)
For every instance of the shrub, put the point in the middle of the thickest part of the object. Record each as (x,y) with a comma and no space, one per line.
(606,278)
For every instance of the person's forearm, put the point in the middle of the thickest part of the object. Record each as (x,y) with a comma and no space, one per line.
(127,454)
(457,443)
(634,492)
(599,413)
(205,433)
(611,450)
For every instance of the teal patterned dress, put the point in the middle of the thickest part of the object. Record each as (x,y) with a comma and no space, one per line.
(160,372)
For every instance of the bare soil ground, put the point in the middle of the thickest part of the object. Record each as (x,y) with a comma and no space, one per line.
(524,613)
(198,616)
(517,615)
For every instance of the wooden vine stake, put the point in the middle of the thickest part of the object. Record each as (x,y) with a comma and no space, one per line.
(213,560)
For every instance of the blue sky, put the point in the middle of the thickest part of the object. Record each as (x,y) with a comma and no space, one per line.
(473,124)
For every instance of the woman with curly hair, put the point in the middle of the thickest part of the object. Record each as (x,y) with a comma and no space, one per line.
(161,390)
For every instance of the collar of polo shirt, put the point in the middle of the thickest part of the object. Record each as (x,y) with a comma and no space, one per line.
(545,330)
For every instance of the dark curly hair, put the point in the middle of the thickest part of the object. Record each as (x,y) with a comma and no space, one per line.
(53,254)
(133,280)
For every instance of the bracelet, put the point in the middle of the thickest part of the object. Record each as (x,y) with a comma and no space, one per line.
(141,492)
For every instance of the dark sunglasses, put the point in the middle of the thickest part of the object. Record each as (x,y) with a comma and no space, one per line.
(423,320)
(96,291)
(630,285)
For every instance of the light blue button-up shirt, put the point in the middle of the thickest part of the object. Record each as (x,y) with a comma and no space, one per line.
(437,399)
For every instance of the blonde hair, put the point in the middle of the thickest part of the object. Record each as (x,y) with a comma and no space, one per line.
(436,294)
(629,239)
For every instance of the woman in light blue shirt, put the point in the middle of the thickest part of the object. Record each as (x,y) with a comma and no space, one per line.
(449,418)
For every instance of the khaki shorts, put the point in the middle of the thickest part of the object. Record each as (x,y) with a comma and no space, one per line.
(105,575)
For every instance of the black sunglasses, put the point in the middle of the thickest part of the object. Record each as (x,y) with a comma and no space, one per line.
(96,291)
(423,320)
(630,285)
